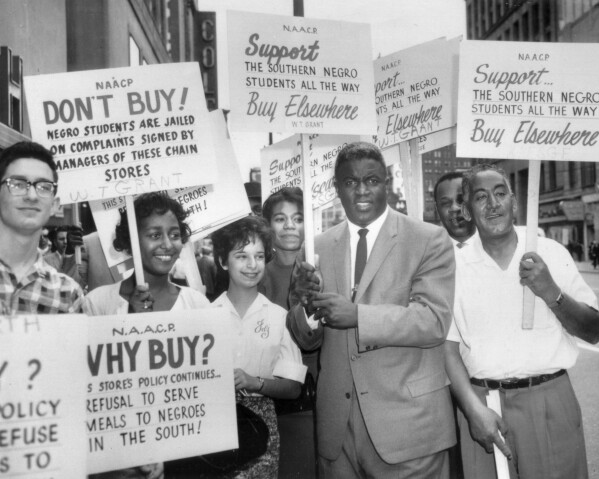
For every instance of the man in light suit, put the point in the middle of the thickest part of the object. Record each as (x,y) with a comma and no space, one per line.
(383,403)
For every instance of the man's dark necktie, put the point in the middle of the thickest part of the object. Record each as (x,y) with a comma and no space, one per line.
(361,254)
(461,245)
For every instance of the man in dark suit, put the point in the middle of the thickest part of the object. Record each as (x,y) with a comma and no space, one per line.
(380,308)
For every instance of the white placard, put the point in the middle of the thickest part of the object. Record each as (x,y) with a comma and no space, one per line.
(436,140)
(123,131)
(528,100)
(160,387)
(209,206)
(42,396)
(414,92)
(302,75)
(282,166)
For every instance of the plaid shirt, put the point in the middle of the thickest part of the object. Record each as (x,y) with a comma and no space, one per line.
(42,290)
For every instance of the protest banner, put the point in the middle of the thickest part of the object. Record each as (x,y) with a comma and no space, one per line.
(293,74)
(413,92)
(117,131)
(532,101)
(281,166)
(42,396)
(210,207)
(529,101)
(160,387)
(436,140)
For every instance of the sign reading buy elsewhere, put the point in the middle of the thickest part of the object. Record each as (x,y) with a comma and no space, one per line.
(282,165)
(536,101)
(123,131)
(42,396)
(293,74)
(160,388)
(414,91)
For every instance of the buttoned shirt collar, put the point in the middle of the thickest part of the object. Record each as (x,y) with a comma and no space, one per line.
(373,228)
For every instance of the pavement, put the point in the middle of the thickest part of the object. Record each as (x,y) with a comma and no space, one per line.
(585,383)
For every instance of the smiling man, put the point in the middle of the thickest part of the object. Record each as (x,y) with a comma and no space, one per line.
(27,200)
(383,299)
(488,349)
(448,201)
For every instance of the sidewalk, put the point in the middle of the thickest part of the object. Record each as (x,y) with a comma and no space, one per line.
(586,267)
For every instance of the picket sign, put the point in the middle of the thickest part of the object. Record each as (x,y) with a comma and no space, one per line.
(135,250)
(190,267)
(532,225)
(308,213)
(494,403)
(411,170)
(77,222)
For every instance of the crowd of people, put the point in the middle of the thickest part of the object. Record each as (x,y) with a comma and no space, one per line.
(403,325)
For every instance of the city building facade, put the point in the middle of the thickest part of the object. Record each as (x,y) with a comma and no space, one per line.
(568,193)
(90,35)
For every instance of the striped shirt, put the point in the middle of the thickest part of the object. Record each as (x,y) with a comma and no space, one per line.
(42,290)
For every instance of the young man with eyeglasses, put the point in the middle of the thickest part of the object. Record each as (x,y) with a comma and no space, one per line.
(27,200)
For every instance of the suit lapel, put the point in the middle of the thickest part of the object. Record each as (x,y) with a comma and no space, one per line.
(341,262)
(384,242)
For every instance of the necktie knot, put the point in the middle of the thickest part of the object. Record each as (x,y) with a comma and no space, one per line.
(363,232)
(461,245)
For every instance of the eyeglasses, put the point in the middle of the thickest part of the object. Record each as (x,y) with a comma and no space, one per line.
(18,187)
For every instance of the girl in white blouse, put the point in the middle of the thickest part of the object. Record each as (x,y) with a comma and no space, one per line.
(267,362)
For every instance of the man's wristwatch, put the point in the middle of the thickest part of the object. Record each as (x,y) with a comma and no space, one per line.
(261,381)
(558,301)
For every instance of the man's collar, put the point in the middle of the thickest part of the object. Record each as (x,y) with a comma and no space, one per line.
(373,228)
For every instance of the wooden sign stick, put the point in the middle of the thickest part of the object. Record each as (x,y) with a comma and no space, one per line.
(190,267)
(308,213)
(411,171)
(532,226)
(501,465)
(417,182)
(134,236)
(77,222)
(406,175)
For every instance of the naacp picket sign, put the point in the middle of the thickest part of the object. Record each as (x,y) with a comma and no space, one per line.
(160,387)
(282,166)
(209,207)
(535,101)
(123,131)
(414,92)
(42,396)
(300,75)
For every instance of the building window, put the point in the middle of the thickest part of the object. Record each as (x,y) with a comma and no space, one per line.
(588,176)
(552,176)
(572,168)
(560,173)
(543,184)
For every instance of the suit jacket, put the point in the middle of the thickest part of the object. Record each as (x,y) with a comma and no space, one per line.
(395,356)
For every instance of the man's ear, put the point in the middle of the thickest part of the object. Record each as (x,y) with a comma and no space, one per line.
(55,206)
(514,204)
(466,212)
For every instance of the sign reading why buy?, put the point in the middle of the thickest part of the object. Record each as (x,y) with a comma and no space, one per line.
(160,387)
(42,397)
(123,131)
